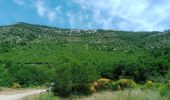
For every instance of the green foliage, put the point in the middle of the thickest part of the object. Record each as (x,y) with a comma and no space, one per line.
(30,75)
(125,69)
(5,46)
(47,96)
(25,75)
(74,79)
(168,75)
(5,79)
(164,91)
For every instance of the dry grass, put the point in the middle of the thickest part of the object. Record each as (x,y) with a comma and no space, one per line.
(135,94)
(125,95)
(32,97)
(43,96)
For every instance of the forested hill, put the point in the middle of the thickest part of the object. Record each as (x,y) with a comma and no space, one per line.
(23,34)
(30,49)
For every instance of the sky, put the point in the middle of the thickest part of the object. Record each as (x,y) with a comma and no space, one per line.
(128,15)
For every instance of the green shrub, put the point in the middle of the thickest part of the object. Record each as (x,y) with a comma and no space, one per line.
(30,75)
(125,70)
(164,91)
(5,46)
(5,79)
(163,88)
(168,82)
(74,79)
(114,86)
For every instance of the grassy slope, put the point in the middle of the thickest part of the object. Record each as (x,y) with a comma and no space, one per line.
(48,47)
(51,47)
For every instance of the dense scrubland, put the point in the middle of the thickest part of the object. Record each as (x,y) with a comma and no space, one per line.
(77,60)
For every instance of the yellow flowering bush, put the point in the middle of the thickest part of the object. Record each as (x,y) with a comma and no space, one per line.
(100,84)
(103,82)
(122,84)
(149,84)
(16,86)
(92,89)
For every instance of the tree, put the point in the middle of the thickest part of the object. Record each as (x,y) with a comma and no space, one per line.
(74,79)
(5,79)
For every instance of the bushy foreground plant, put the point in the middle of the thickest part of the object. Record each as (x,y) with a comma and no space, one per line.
(149,84)
(101,84)
(16,86)
(122,84)
(74,79)
(162,88)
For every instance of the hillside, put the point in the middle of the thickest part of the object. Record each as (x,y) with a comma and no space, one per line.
(31,54)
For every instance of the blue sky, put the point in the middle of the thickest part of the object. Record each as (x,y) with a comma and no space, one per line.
(130,15)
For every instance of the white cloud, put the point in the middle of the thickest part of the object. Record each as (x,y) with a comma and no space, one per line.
(74,19)
(51,15)
(71,19)
(41,9)
(19,2)
(134,14)
(78,20)
(46,11)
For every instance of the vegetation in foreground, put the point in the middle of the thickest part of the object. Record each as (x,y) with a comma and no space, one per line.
(129,94)
(34,55)
(135,94)
(44,96)
(123,89)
